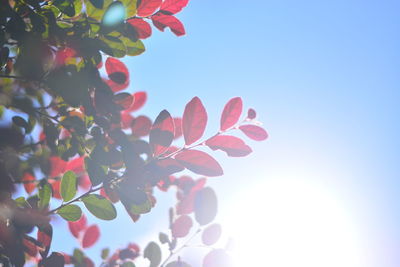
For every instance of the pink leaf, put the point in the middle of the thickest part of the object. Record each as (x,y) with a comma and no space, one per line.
(254,132)
(211,234)
(91,236)
(181,227)
(123,100)
(162,133)
(199,162)
(161,21)
(148,7)
(194,121)
(231,113)
(29,184)
(78,226)
(118,74)
(173,6)
(142,27)
(141,126)
(139,99)
(217,258)
(233,146)
(251,114)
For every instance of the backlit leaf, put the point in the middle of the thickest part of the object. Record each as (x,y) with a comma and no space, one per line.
(148,7)
(254,132)
(231,113)
(44,196)
(44,236)
(100,207)
(141,126)
(29,182)
(140,99)
(233,146)
(211,234)
(162,21)
(181,226)
(194,121)
(90,236)
(78,226)
(124,100)
(173,6)
(141,26)
(199,162)
(162,133)
(217,258)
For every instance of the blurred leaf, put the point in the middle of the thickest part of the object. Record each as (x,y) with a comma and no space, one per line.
(44,195)
(153,253)
(205,206)
(96,173)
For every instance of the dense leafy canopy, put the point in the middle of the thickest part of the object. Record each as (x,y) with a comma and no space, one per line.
(71,138)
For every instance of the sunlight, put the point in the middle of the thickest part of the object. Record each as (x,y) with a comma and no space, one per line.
(290,222)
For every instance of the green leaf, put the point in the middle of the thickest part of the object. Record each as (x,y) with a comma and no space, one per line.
(44,195)
(65,6)
(178,264)
(70,212)
(96,8)
(112,46)
(133,48)
(135,201)
(130,6)
(96,173)
(68,186)
(163,238)
(100,207)
(21,202)
(153,253)
(104,253)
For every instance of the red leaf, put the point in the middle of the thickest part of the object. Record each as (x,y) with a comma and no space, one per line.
(251,114)
(30,246)
(181,227)
(91,236)
(141,126)
(194,121)
(169,166)
(29,184)
(76,165)
(139,99)
(124,100)
(56,189)
(231,113)
(233,146)
(178,127)
(162,133)
(173,6)
(57,166)
(254,132)
(126,119)
(148,7)
(44,236)
(142,27)
(199,162)
(118,74)
(211,234)
(78,226)
(162,21)
(89,263)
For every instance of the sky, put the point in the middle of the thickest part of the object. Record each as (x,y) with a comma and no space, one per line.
(324,79)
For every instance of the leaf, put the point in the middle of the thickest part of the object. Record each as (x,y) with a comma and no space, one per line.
(44,196)
(100,207)
(254,132)
(199,162)
(233,146)
(105,252)
(205,206)
(96,173)
(29,182)
(68,186)
(56,259)
(65,6)
(135,201)
(130,6)
(163,237)
(153,253)
(70,212)
(78,226)
(90,236)
(181,227)
(133,48)
(162,133)
(194,121)
(211,234)
(140,99)
(217,258)
(251,114)
(162,21)
(141,126)
(96,8)
(141,26)
(173,6)
(231,113)
(44,236)
(112,46)
(148,7)
(117,71)
(124,100)
(128,264)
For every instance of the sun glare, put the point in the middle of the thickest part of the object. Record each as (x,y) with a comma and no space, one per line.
(292,223)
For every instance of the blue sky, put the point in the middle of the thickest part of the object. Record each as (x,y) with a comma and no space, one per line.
(324,78)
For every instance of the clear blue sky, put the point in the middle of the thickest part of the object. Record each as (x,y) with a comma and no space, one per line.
(324,77)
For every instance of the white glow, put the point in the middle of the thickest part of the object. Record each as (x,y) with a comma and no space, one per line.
(292,223)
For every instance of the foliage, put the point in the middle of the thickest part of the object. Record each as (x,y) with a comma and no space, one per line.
(70,138)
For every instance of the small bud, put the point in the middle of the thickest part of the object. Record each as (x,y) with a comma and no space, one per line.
(251,114)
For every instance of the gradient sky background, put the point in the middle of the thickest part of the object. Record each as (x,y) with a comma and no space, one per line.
(324,77)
